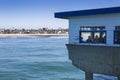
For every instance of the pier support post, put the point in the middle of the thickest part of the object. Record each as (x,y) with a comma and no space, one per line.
(88,76)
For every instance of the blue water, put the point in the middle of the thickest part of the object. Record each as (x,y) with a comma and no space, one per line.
(38,58)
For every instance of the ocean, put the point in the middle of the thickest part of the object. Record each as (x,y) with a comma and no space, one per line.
(38,58)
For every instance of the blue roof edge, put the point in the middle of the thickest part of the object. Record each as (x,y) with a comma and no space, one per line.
(98,11)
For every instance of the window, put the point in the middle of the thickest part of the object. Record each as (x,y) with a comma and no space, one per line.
(117,35)
(92,34)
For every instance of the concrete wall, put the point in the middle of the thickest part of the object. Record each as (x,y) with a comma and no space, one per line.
(107,20)
(96,59)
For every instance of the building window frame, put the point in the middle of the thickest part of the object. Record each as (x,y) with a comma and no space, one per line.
(92,32)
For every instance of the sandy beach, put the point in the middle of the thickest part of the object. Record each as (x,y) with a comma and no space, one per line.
(44,35)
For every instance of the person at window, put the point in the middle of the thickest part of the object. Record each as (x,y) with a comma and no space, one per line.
(102,38)
(96,40)
(89,40)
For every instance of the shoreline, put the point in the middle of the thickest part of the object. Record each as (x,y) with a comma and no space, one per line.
(42,35)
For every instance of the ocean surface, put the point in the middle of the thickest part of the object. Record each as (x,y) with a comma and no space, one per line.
(38,58)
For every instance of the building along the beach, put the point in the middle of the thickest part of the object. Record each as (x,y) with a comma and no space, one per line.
(94,40)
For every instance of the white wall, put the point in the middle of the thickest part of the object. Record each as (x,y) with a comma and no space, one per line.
(107,20)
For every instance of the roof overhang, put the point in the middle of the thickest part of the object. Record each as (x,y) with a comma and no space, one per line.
(66,15)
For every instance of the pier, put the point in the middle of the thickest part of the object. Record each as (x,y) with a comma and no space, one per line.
(94,40)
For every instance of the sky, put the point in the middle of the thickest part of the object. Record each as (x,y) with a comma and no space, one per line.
(40,13)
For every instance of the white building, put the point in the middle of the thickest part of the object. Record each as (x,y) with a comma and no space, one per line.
(94,40)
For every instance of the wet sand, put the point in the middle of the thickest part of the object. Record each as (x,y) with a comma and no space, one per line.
(45,35)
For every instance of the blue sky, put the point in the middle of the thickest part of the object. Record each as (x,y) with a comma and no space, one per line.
(40,13)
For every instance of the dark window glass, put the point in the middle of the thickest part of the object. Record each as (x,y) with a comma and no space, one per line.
(117,28)
(117,35)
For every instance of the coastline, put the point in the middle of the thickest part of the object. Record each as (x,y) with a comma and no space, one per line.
(42,35)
